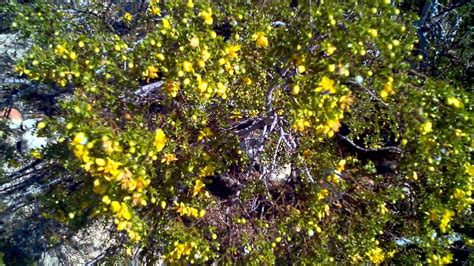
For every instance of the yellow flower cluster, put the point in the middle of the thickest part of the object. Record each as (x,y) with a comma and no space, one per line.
(376,255)
(171,88)
(260,39)
(107,172)
(127,17)
(160,139)
(440,260)
(426,127)
(151,72)
(327,104)
(207,16)
(153,8)
(184,210)
(180,250)
(387,89)
(455,102)
(206,133)
(446,218)
(326,85)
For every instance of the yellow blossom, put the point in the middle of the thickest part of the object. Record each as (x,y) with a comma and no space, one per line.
(187,66)
(326,85)
(121,225)
(166,23)
(260,39)
(346,101)
(171,88)
(60,49)
(115,206)
(301,69)
(194,42)
(151,72)
(154,10)
(334,124)
(426,127)
(106,200)
(207,16)
(373,32)
(205,55)
(160,139)
(208,170)
(445,220)
(100,162)
(72,55)
(330,49)
(295,89)
(455,102)
(231,51)
(80,139)
(247,81)
(221,90)
(376,255)
(300,124)
(127,17)
(199,185)
(169,158)
(206,133)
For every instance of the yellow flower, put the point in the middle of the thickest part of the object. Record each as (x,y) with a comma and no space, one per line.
(72,55)
(100,162)
(154,10)
(199,185)
(208,170)
(373,32)
(260,39)
(445,220)
(171,88)
(459,194)
(127,17)
(187,66)
(231,51)
(455,102)
(207,16)
(376,255)
(301,69)
(341,166)
(115,206)
(151,72)
(387,90)
(295,89)
(346,101)
(80,139)
(300,124)
(107,146)
(160,139)
(426,127)
(247,81)
(334,124)
(330,49)
(194,42)
(60,49)
(205,55)
(326,85)
(206,133)
(168,158)
(446,259)
(221,90)
(121,225)
(166,23)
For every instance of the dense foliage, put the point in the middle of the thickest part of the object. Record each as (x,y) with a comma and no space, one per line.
(162,99)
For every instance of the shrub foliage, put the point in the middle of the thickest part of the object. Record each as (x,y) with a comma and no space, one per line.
(177,116)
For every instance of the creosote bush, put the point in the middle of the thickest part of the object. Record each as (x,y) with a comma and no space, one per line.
(162,98)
